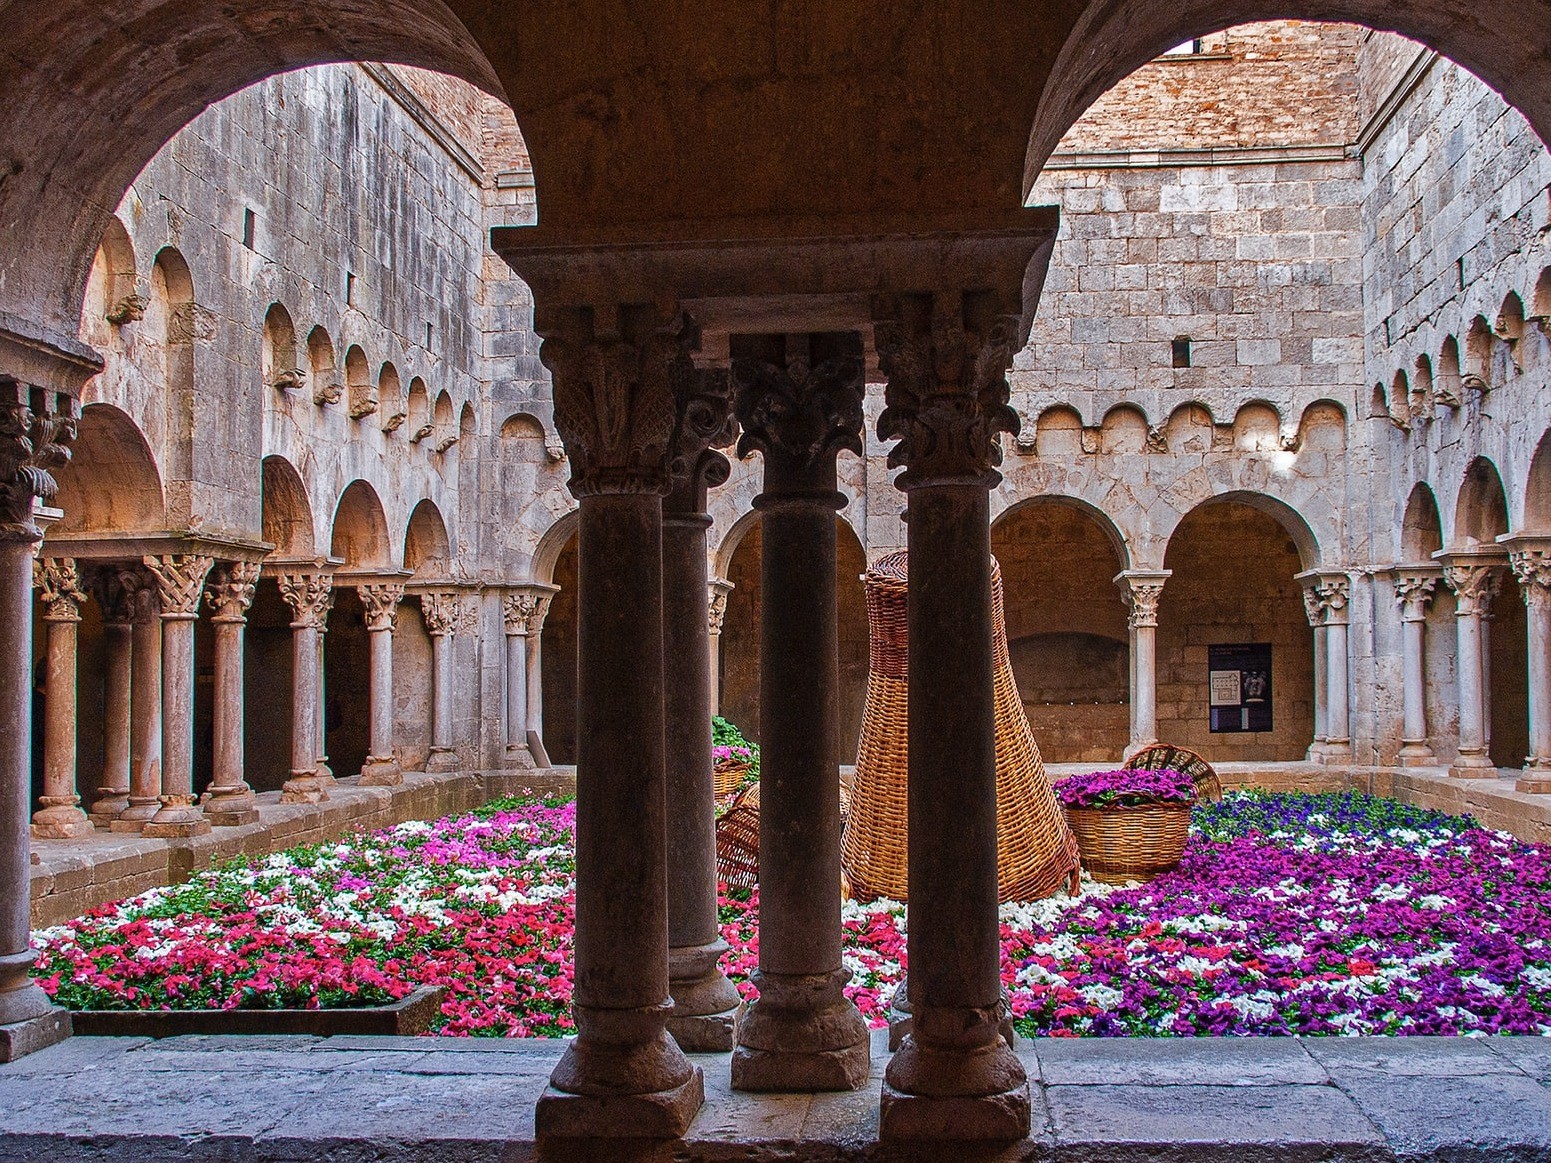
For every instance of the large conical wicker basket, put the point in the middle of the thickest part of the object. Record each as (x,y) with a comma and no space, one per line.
(1036,851)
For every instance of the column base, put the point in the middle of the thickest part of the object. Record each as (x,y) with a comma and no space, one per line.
(1331,754)
(902,1021)
(1472,766)
(519,758)
(704,1033)
(179,818)
(61,819)
(802,1033)
(705,1003)
(140,812)
(326,773)
(1414,754)
(993,1118)
(110,806)
(662,1114)
(18,1039)
(441,762)
(304,787)
(1535,780)
(378,772)
(230,807)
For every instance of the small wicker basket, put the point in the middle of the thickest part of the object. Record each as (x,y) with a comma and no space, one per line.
(1168,757)
(737,841)
(1130,843)
(727,777)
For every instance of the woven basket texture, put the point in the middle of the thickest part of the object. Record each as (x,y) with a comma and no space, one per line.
(737,841)
(727,776)
(1136,843)
(1168,757)
(1036,851)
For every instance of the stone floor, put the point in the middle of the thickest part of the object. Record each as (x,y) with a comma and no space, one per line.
(402,1099)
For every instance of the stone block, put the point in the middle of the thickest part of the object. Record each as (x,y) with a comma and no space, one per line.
(1172,1062)
(19,1039)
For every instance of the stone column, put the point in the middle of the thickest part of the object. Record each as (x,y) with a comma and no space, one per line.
(704,1001)
(799,400)
(1413,591)
(36,428)
(60,817)
(229,800)
(440,612)
(945,356)
(613,372)
(145,701)
(716,612)
(1532,566)
(1334,591)
(320,716)
(181,579)
(1141,590)
(381,600)
(1475,584)
(1315,611)
(113,793)
(310,594)
(522,613)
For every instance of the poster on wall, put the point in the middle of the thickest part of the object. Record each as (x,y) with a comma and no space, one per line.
(1240,682)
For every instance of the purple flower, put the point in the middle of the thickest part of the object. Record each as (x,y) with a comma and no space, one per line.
(1115,789)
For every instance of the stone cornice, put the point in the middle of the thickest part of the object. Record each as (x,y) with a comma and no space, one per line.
(134,546)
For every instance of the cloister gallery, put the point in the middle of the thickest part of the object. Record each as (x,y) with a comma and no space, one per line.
(364,458)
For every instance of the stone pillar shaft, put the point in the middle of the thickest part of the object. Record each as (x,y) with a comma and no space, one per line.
(1474,580)
(181,579)
(145,697)
(113,795)
(717,611)
(1326,595)
(229,800)
(381,602)
(441,613)
(1413,591)
(1532,566)
(523,611)
(310,596)
(1141,590)
(60,817)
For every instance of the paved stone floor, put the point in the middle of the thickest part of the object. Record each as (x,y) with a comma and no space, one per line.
(402,1099)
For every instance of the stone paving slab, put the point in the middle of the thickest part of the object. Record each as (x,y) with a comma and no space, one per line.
(268,1099)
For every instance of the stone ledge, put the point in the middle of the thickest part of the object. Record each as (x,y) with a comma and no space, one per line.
(69,877)
(1272,1100)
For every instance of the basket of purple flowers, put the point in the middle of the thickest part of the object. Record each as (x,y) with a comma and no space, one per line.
(1130,825)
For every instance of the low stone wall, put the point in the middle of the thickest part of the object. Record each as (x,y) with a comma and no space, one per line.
(70,877)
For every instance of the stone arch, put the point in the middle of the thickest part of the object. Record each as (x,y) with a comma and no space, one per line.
(1058,432)
(1378,402)
(1537,489)
(281,368)
(1108,42)
(444,421)
(1540,303)
(1190,428)
(552,544)
(736,532)
(1400,397)
(1450,381)
(112,296)
(468,423)
(111,484)
(1234,560)
(171,321)
(1510,318)
(419,426)
(390,398)
(1421,530)
(1422,386)
(1257,427)
(360,531)
(1123,430)
(326,388)
(360,391)
(1066,624)
(1322,427)
(286,518)
(1480,371)
(1481,512)
(427,550)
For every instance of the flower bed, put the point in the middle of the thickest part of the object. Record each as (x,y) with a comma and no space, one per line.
(1290,914)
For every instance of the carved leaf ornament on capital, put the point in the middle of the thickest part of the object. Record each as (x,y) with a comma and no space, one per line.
(36,430)
(58,582)
(310,596)
(231,590)
(441,614)
(1475,587)
(1412,593)
(1325,600)
(381,600)
(1143,598)
(947,394)
(803,413)
(703,423)
(1533,569)
(615,404)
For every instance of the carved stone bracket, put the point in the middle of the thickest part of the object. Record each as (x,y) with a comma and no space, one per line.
(381,600)
(231,590)
(180,579)
(330,392)
(946,357)
(363,401)
(523,610)
(718,590)
(799,400)
(1475,586)
(289,379)
(36,429)
(1142,590)
(441,612)
(59,584)
(616,384)
(310,596)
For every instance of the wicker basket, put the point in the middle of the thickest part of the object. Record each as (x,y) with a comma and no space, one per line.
(1130,843)
(737,841)
(1036,852)
(1167,757)
(727,777)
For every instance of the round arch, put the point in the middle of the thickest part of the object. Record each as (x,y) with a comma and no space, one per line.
(1481,510)
(1112,533)
(552,544)
(722,558)
(1421,530)
(111,483)
(1291,521)
(427,549)
(360,530)
(1537,489)
(286,515)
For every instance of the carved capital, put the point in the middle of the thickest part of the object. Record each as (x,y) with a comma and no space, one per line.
(142,600)
(1475,587)
(717,591)
(616,383)
(180,579)
(946,359)
(799,399)
(702,423)
(111,596)
(523,611)
(1142,592)
(36,430)
(310,596)
(1413,592)
(1533,569)
(231,589)
(1325,598)
(59,584)
(441,613)
(381,600)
